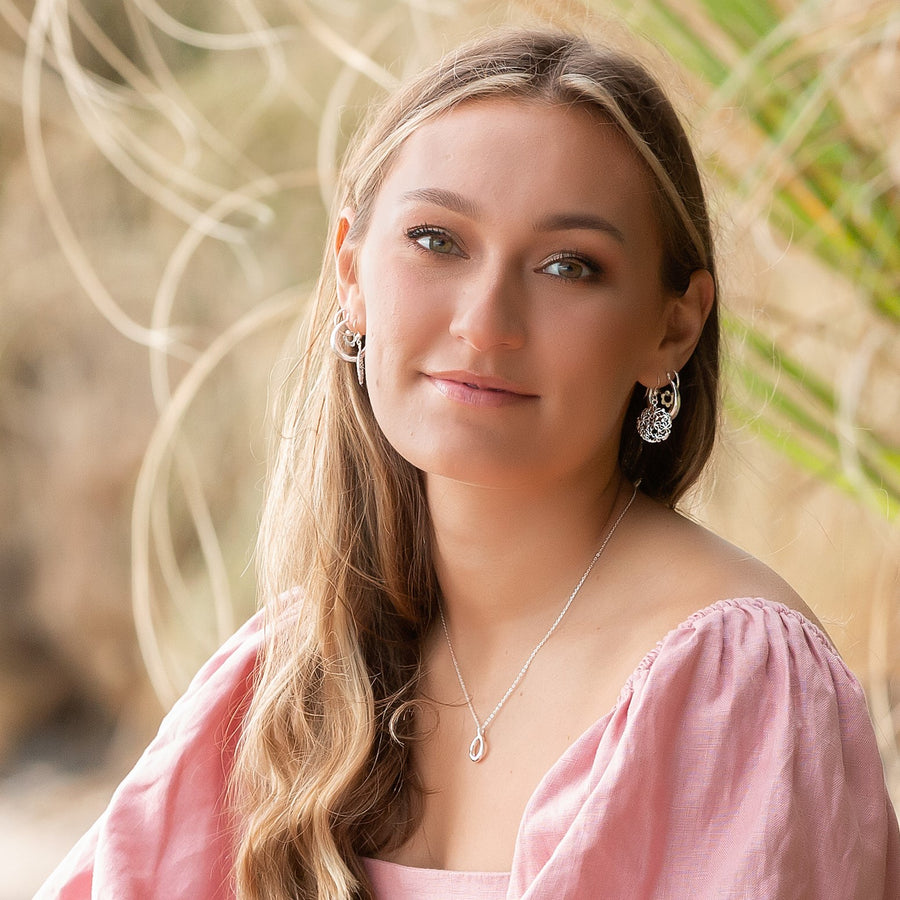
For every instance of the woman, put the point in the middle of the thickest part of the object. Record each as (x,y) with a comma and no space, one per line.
(471,543)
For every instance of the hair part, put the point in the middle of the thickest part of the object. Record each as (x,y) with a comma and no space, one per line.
(321,778)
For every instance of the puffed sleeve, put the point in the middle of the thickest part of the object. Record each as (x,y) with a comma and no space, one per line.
(165,833)
(740,762)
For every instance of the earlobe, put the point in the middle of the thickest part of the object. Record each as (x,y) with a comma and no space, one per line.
(349,292)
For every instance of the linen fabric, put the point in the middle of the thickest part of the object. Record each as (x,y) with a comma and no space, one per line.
(738,762)
(397,882)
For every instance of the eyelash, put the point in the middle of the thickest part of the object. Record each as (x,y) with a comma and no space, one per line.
(596,270)
(426,230)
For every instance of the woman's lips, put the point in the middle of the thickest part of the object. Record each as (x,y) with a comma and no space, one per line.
(479,390)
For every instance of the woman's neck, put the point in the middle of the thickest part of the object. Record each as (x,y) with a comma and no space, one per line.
(503,556)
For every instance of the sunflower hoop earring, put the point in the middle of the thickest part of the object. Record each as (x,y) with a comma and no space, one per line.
(344,340)
(654,424)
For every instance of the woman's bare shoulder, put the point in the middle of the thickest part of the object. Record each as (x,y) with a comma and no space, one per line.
(693,567)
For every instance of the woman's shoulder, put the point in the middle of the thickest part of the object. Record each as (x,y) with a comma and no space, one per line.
(726,622)
(693,570)
(738,651)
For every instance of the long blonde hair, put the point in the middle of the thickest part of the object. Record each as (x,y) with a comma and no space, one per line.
(323,772)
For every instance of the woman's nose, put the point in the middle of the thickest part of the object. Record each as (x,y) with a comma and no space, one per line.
(489,310)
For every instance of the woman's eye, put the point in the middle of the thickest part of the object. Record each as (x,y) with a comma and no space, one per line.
(569,268)
(433,240)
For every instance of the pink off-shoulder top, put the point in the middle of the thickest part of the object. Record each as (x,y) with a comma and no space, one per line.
(739,762)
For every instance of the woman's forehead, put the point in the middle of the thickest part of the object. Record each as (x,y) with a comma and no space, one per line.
(532,122)
(511,154)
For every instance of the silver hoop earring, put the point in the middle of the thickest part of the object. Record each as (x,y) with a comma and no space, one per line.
(344,340)
(654,424)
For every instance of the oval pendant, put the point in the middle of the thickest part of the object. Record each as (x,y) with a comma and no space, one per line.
(477,748)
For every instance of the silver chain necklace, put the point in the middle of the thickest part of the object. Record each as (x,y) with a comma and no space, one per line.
(478,747)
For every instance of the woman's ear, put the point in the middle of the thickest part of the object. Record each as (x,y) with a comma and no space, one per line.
(349,291)
(685,316)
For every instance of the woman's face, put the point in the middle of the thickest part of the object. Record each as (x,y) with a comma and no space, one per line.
(508,285)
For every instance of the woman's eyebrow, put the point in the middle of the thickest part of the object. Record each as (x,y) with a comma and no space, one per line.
(566,221)
(448,199)
(554,222)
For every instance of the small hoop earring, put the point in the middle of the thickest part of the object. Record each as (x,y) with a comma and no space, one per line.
(654,424)
(344,339)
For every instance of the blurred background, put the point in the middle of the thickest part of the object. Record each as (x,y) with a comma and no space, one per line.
(165,171)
